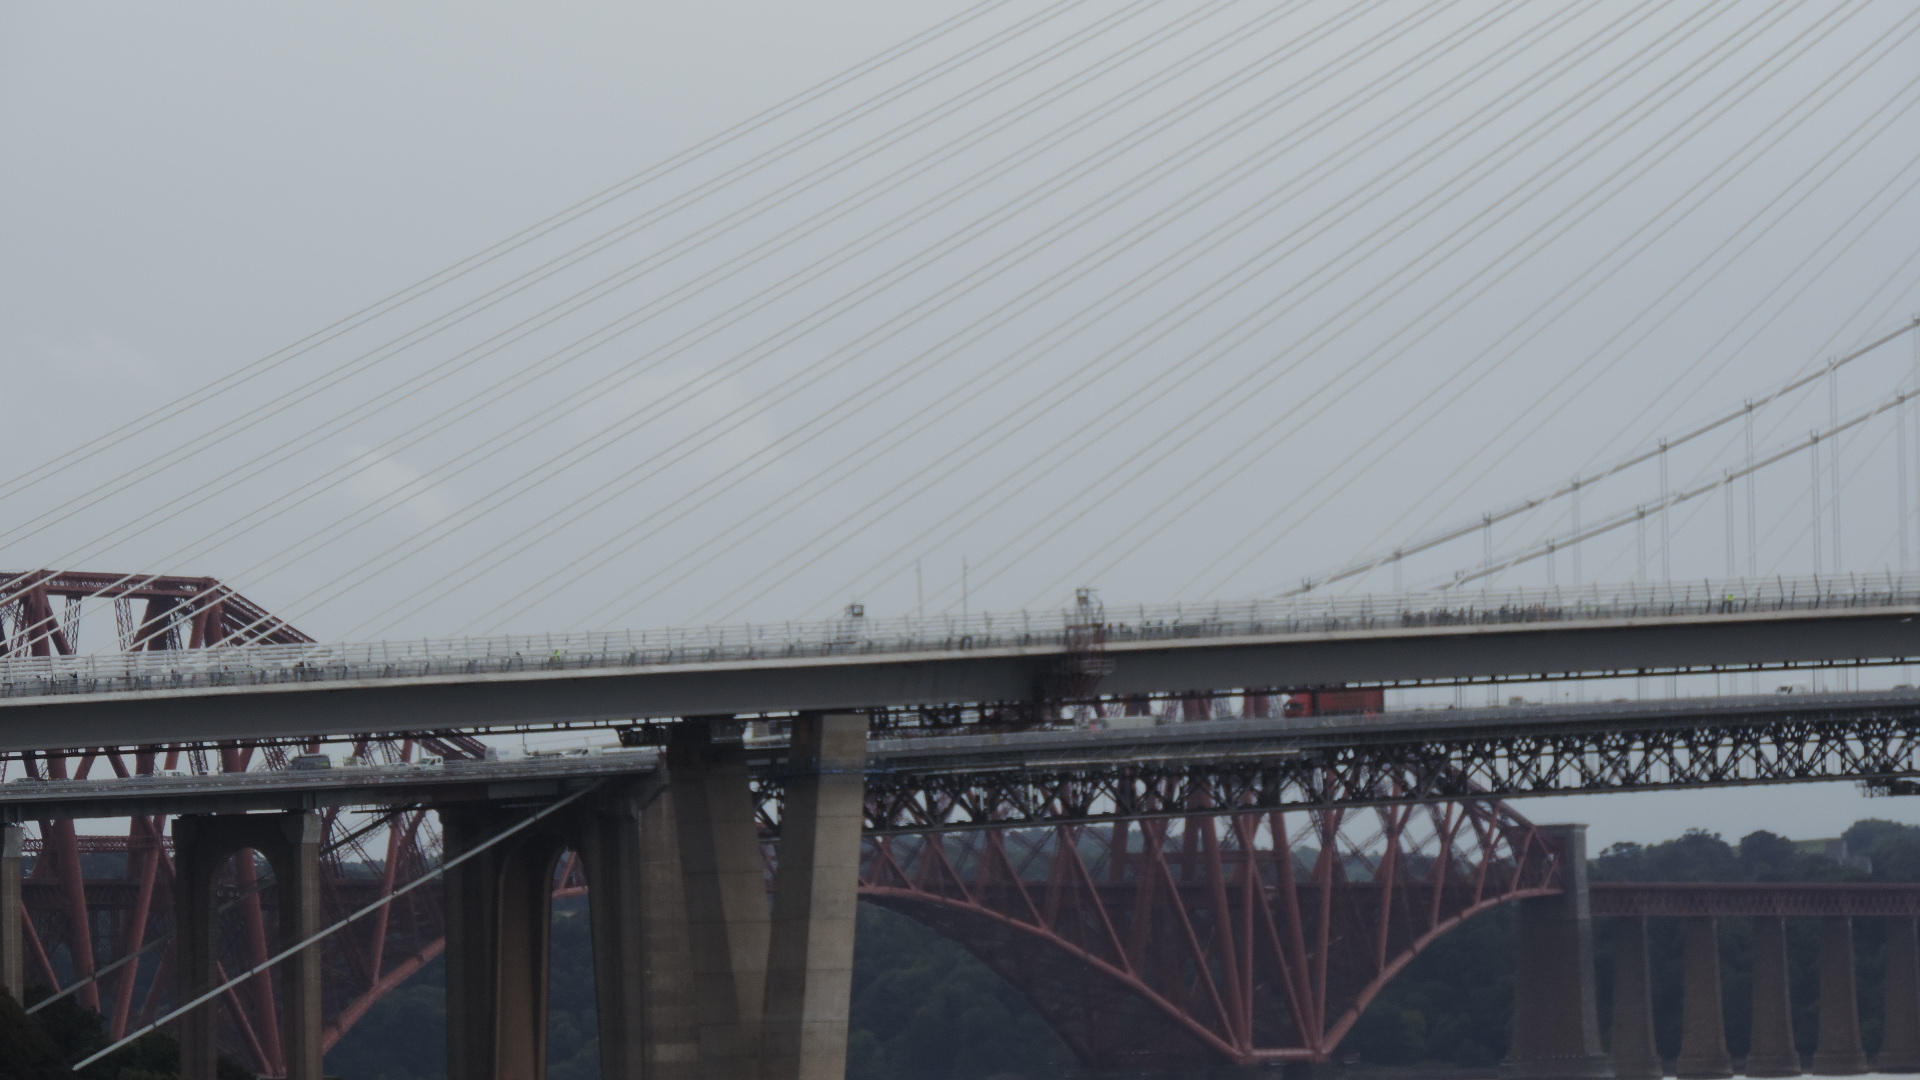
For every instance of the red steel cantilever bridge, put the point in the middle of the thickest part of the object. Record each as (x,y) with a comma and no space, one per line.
(1230,891)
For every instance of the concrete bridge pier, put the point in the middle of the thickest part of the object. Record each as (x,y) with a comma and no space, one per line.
(1556,1025)
(1900,1030)
(771,989)
(1839,1052)
(725,895)
(695,978)
(1635,1056)
(290,842)
(815,899)
(642,970)
(1703,1034)
(499,917)
(13,960)
(1771,1051)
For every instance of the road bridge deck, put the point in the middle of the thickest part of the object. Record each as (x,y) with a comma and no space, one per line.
(287,691)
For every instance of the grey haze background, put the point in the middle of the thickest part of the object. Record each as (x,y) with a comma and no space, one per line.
(1712,197)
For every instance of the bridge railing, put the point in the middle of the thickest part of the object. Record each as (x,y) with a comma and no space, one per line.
(1047,631)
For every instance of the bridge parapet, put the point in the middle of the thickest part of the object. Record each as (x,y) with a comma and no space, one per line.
(284,691)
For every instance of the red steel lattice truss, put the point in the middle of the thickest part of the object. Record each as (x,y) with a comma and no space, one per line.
(93,900)
(1231,938)
(1228,937)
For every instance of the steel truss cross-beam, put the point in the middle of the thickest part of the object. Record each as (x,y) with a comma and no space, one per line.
(1878,746)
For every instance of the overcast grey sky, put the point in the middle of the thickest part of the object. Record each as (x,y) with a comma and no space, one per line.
(1179,300)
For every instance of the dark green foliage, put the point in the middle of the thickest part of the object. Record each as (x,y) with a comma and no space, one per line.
(920,1004)
(27,1052)
(1453,1004)
(73,1032)
(403,1037)
(1894,848)
(926,1009)
(1450,1007)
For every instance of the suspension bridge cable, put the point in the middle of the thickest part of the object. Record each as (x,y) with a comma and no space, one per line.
(1287,511)
(1585,478)
(987,431)
(1479,522)
(172,410)
(1881,318)
(875,447)
(180,507)
(167,411)
(1805,384)
(1681,496)
(1031,464)
(344,374)
(1347,376)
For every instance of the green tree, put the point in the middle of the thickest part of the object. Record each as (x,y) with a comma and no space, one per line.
(924,1008)
(27,1052)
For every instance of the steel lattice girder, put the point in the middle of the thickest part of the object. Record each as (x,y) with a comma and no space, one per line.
(1358,769)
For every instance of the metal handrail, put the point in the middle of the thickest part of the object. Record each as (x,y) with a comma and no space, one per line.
(256,665)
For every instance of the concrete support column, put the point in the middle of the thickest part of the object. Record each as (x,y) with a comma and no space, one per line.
(1635,1056)
(13,959)
(816,893)
(645,1016)
(1703,1033)
(195,947)
(499,915)
(1839,1052)
(1772,1051)
(724,882)
(291,845)
(1556,1025)
(1900,1033)
(471,900)
(672,1051)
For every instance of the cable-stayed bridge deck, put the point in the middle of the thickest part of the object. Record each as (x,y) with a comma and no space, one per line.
(281,691)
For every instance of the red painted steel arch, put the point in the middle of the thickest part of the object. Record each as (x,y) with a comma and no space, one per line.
(1236,938)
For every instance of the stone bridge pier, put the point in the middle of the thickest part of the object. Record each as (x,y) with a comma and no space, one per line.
(1555,1034)
(1772,1052)
(696,978)
(1556,1025)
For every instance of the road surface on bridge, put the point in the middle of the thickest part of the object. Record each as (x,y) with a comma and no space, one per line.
(286,691)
